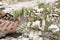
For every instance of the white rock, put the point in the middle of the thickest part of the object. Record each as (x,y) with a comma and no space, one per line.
(36,23)
(39,33)
(40,38)
(56,9)
(36,37)
(35,34)
(53,28)
(52,19)
(56,3)
(28,24)
(13,39)
(25,34)
(40,10)
(1,3)
(31,35)
(2,39)
(54,14)
(25,38)
(46,38)
(19,39)
(38,14)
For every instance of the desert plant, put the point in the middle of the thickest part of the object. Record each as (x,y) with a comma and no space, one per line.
(19,14)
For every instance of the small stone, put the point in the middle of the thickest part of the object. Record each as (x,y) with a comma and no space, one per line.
(46,39)
(39,33)
(28,24)
(36,23)
(36,34)
(39,10)
(13,39)
(40,38)
(38,14)
(56,10)
(36,37)
(53,28)
(31,35)
(2,39)
(19,39)
(25,38)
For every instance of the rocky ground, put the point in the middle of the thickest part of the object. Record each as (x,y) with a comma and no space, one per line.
(42,25)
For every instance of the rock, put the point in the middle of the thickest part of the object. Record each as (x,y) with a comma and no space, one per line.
(1,3)
(35,23)
(55,15)
(31,35)
(53,28)
(13,39)
(38,14)
(45,38)
(40,10)
(39,33)
(28,24)
(40,38)
(48,34)
(56,9)
(19,39)
(35,34)
(36,37)
(25,34)
(25,38)
(2,39)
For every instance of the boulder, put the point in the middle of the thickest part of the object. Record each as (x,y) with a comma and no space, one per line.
(53,28)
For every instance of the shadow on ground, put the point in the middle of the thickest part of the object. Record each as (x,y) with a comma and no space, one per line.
(15,35)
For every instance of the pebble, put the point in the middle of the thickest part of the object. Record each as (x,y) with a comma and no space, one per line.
(36,37)
(28,24)
(31,35)
(19,39)
(25,38)
(2,39)
(53,28)
(40,10)
(36,23)
(39,33)
(38,14)
(40,38)
(13,39)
